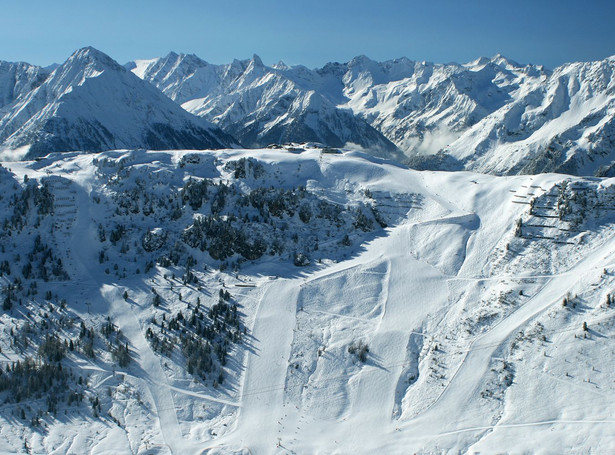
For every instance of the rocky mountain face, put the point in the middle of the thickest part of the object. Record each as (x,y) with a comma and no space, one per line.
(561,123)
(490,115)
(260,105)
(17,79)
(91,103)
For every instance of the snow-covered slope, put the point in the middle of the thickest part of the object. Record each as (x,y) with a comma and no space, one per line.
(91,103)
(276,301)
(17,79)
(490,115)
(425,106)
(564,123)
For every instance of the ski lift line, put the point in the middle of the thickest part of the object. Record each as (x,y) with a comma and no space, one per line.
(525,277)
(518,425)
(579,386)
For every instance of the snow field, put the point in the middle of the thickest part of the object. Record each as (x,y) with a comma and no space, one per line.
(470,348)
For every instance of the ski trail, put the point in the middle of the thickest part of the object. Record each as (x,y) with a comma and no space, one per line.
(462,392)
(526,424)
(569,272)
(153,374)
(81,241)
(202,396)
(123,315)
(71,206)
(262,397)
(406,285)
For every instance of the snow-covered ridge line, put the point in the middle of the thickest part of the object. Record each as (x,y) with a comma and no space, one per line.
(491,115)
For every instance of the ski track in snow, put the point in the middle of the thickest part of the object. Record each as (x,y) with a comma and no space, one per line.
(467,379)
(122,312)
(154,376)
(262,395)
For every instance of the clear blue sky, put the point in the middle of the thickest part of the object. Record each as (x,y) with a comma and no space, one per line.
(311,32)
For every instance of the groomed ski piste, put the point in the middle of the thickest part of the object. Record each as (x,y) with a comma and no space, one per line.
(443,332)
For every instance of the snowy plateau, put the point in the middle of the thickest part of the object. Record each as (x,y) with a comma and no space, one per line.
(396,257)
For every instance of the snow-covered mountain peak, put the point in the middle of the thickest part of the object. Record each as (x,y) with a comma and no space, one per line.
(92,59)
(254,70)
(498,60)
(172,55)
(501,60)
(463,111)
(362,61)
(480,61)
(256,61)
(262,105)
(92,103)
(190,60)
(281,66)
(362,73)
(82,64)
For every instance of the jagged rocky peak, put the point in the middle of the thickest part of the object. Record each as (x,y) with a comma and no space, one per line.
(501,60)
(83,64)
(281,65)
(189,60)
(256,61)
(490,115)
(361,61)
(498,60)
(254,69)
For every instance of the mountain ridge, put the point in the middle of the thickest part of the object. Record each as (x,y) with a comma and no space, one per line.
(257,104)
(92,103)
(430,111)
(489,115)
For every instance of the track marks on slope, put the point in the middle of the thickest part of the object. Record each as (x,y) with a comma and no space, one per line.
(261,397)
(452,234)
(152,373)
(335,310)
(465,384)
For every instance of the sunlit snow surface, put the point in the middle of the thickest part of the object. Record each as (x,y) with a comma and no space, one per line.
(470,349)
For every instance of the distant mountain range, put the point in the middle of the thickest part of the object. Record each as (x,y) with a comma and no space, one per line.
(490,115)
